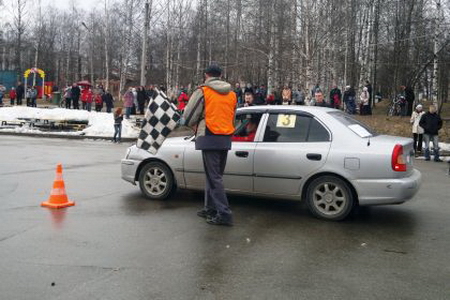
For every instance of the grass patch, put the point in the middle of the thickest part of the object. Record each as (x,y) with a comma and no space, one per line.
(400,126)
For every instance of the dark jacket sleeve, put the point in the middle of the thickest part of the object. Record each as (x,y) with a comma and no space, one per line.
(423,121)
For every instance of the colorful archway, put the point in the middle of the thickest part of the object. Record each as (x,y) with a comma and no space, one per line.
(34,71)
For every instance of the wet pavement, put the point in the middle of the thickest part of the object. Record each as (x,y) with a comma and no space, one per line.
(115,244)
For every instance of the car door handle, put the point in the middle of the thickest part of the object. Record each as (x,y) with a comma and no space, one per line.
(241,153)
(314,156)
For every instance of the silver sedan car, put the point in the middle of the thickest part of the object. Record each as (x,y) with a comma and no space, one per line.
(320,155)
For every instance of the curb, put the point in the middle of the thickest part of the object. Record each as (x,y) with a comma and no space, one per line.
(177,132)
(64,136)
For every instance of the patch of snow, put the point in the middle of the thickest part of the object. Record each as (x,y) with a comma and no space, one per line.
(99,123)
(444,146)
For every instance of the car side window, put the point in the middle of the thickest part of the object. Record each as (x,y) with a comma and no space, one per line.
(246,126)
(292,128)
(317,133)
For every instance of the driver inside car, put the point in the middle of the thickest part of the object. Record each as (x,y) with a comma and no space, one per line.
(247,134)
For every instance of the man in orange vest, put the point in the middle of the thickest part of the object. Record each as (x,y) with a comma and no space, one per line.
(211,113)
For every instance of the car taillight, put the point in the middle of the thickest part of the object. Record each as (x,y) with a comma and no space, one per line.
(398,161)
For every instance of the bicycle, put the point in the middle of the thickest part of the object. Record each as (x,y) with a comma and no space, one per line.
(396,106)
(62,103)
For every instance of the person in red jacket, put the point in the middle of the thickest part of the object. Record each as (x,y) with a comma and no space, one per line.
(98,102)
(250,132)
(182,100)
(86,98)
(12,96)
(270,99)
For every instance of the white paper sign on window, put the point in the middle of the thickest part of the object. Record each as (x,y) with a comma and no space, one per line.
(286,121)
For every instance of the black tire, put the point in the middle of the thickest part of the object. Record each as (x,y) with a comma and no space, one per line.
(62,104)
(330,198)
(156,181)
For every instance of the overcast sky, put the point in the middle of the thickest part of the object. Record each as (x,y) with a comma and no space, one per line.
(67,4)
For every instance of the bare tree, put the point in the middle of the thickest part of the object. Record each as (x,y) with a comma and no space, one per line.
(20,13)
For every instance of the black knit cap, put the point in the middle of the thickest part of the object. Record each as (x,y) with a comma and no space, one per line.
(213,70)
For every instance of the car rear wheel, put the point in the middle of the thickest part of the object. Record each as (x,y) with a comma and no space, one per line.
(330,198)
(156,180)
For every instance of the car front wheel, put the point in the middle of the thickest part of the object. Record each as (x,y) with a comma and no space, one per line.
(156,180)
(330,198)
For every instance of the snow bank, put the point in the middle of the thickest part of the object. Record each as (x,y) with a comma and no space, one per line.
(57,114)
(99,123)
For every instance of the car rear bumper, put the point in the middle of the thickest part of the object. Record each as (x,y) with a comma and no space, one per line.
(387,191)
(128,169)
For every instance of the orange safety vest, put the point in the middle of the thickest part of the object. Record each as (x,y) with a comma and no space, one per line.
(219,111)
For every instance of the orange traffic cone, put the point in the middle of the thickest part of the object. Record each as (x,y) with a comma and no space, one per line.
(58,197)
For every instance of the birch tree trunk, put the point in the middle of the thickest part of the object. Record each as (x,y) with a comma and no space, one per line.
(270,62)
(106,46)
(294,56)
(168,50)
(374,64)
(306,12)
(237,33)
(436,55)
(126,42)
(144,43)
(227,41)
(20,27)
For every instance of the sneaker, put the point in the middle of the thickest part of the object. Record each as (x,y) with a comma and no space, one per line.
(206,213)
(438,160)
(427,159)
(220,220)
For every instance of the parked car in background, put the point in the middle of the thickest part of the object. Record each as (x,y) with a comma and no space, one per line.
(319,155)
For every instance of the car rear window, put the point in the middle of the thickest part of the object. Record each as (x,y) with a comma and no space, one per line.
(354,125)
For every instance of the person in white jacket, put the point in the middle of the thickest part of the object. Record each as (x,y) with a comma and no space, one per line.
(416,129)
(364,108)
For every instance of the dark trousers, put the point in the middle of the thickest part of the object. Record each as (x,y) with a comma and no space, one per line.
(68,103)
(75,102)
(19,99)
(409,108)
(141,108)
(418,141)
(214,162)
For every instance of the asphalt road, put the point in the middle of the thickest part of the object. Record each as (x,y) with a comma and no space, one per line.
(114,244)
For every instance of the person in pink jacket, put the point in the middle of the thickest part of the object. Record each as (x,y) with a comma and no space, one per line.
(128,101)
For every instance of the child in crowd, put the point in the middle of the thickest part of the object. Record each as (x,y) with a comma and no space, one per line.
(118,118)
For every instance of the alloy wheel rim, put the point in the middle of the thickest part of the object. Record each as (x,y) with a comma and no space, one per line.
(155,181)
(329,198)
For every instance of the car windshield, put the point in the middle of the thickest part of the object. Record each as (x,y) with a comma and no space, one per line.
(354,125)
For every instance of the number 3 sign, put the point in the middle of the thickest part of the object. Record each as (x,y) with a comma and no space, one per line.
(286,121)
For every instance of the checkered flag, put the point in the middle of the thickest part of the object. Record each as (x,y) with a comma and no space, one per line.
(160,119)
